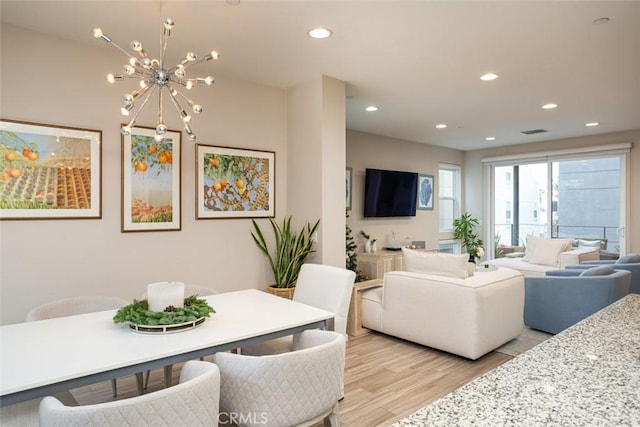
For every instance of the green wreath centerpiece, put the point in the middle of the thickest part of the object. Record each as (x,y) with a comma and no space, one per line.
(138,313)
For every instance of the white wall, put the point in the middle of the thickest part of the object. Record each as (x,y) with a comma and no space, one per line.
(315,154)
(58,82)
(373,151)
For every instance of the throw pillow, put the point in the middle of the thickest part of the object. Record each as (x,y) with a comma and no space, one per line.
(588,243)
(547,251)
(528,250)
(602,270)
(436,263)
(629,259)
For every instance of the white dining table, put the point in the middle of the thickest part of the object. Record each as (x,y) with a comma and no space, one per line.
(44,357)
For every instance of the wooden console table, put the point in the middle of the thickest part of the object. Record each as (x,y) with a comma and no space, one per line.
(354,320)
(375,264)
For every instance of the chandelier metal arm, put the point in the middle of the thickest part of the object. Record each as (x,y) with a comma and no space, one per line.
(186,118)
(144,102)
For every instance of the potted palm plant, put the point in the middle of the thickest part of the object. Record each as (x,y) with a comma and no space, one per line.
(289,252)
(464,230)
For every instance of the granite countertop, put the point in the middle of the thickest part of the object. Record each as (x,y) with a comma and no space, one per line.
(587,375)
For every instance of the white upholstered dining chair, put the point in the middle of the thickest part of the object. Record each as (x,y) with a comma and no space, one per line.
(298,388)
(80,305)
(322,286)
(194,402)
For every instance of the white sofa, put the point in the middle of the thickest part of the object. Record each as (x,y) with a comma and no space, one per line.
(465,316)
(542,255)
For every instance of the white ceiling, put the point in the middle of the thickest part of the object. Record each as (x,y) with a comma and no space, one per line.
(419,61)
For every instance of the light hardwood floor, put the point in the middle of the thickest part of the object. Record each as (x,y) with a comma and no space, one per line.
(385,379)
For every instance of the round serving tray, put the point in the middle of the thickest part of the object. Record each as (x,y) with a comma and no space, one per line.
(166,329)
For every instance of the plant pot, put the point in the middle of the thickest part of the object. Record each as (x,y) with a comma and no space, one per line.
(281,292)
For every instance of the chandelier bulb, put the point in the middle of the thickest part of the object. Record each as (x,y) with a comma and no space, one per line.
(133,61)
(192,138)
(179,72)
(161,129)
(187,129)
(128,99)
(126,130)
(144,83)
(146,63)
(191,56)
(112,78)
(158,137)
(97,32)
(188,85)
(209,80)
(136,45)
(185,117)
(197,109)
(155,63)
(125,110)
(128,70)
(168,23)
(215,55)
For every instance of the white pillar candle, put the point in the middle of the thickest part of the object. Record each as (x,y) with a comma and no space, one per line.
(161,295)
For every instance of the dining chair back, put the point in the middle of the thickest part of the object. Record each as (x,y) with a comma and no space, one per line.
(80,305)
(321,286)
(298,388)
(328,288)
(73,306)
(194,402)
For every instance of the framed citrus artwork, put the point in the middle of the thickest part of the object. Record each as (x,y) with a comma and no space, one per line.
(151,196)
(234,182)
(49,171)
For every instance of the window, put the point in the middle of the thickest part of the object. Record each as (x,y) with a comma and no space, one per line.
(569,196)
(449,247)
(449,196)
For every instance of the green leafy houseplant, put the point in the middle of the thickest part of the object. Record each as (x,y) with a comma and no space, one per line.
(352,258)
(464,230)
(290,251)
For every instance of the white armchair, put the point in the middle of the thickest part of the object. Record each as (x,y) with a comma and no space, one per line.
(298,388)
(194,402)
(321,286)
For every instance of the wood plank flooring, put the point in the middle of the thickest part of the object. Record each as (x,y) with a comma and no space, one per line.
(386,379)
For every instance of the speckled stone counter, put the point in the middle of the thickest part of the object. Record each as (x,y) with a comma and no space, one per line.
(587,375)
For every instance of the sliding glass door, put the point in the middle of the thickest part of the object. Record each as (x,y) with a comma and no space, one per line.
(575,197)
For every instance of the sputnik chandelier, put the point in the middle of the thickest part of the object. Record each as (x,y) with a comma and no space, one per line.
(153,76)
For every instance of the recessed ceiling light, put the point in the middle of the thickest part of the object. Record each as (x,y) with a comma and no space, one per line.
(371,108)
(592,124)
(320,33)
(489,76)
(550,106)
(441,126)
(490,138)
(601,21)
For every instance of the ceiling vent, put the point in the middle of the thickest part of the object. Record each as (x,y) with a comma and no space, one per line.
(533,131)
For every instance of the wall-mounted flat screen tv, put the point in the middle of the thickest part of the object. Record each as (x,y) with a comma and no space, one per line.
(390,193)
